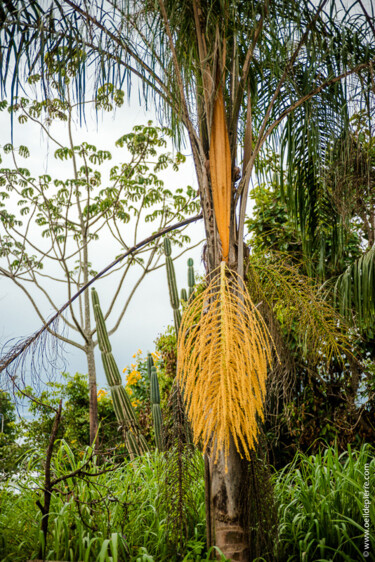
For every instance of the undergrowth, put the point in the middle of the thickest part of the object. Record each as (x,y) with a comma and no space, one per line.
(121,514)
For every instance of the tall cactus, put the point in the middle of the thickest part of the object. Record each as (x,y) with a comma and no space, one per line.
(155,403)
(183,296)
(172,284)
(124,411)
(191,280)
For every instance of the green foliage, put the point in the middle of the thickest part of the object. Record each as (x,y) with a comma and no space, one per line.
(320,390)
(138,389)
(134,191)
(269,226)
(321,503)
(74,426)
(351,180)
(166,346)
(310,399)
(329,406)
(273,229)
(297,302)
(11,451)
(8,428)
(350,174)
(138,386)
(108,510)
(354,293)
(51,229)
(183,466)
(106,513)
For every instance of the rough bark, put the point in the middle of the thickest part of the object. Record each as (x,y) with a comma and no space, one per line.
(229,506)
(93,394)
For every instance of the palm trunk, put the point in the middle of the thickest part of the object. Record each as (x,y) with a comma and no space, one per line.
(229,506)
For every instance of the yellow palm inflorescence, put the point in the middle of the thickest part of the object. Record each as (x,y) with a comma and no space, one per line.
(224,349)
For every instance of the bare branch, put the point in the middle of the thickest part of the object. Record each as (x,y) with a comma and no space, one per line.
(10,357)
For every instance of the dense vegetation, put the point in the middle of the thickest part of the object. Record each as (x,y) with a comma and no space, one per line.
(113,512)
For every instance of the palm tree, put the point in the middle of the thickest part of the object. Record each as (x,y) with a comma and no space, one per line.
(227,75)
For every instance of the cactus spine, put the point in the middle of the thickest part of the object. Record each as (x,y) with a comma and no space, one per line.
(155,403)
(172,284)
(124,411)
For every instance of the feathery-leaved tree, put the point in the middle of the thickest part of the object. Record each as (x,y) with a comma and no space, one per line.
(51,229)
(228,74)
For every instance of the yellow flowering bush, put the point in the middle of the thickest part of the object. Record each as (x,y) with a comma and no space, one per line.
(101,394)
(137,382)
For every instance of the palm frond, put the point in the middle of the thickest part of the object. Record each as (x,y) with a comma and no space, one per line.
(224,350)
(300,307)
(354,292)
(312,129)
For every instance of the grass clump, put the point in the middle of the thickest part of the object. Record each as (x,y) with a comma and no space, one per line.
(321,506)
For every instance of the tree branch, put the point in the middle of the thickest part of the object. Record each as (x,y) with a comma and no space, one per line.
(8,360)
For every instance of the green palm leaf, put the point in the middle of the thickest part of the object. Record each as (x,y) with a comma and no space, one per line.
(354,292)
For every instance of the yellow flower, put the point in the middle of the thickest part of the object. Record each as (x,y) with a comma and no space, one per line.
(101,394)
(133,377)
(125,369)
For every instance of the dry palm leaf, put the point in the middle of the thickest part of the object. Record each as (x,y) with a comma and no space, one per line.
(220,169)
(224,349)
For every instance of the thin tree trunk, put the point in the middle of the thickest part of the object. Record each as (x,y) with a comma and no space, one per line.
(93,393)
(47,492)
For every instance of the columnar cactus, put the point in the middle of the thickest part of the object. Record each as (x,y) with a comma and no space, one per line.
(184,296)
(172,284)
(191,280)
(155,403)
(124,411)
